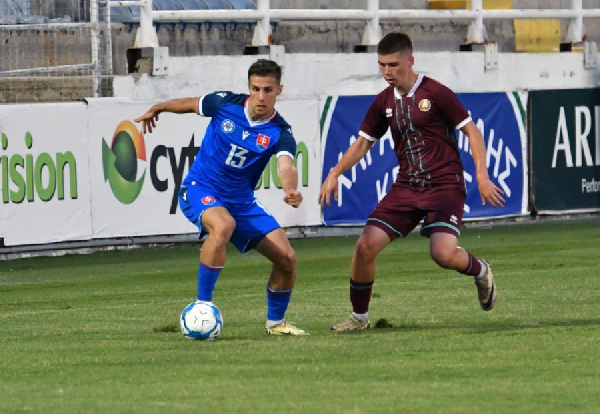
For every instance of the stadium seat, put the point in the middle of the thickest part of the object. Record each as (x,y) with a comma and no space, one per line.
(466,4)
(243,4)
(447,4)
(131,15)
(166,5)
(218,4)
(125,15)
(537,35)
(193,5)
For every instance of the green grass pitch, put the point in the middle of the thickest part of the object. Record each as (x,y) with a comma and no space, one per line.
(99,333)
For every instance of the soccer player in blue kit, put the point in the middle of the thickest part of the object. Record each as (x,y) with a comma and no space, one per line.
(217,195)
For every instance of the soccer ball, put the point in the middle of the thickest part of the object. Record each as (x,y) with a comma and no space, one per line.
(201,320)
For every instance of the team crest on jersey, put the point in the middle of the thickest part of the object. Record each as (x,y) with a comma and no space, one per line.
(227,126)
(425,105)
(262,141)
(208,200)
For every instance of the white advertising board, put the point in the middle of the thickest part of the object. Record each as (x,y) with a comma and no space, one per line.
(147,203)
(44,173)
(77,171)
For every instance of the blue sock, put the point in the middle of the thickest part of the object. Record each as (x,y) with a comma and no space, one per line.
(207,279)
(277,303)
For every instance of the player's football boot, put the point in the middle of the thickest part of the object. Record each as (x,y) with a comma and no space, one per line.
(486,288)
(285,328)
(351,324)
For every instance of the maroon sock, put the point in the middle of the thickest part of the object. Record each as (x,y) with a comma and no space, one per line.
(360,295)
(474,267)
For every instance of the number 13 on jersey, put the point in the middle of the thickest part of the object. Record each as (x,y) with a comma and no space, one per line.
(236,157)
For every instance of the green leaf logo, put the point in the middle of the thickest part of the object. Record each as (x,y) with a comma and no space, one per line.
(120,162)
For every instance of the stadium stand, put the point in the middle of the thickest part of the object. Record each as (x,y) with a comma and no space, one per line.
(36,59)
(131,15)
(19,12)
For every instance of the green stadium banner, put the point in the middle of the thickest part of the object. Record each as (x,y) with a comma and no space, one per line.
(564,128)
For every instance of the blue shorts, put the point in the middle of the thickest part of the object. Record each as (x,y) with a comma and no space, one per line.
(252,221)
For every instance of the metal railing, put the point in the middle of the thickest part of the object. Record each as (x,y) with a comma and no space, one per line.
(372,15)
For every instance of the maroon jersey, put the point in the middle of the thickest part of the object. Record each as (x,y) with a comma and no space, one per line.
(422,125)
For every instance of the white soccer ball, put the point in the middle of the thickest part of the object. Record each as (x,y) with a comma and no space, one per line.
(201,320)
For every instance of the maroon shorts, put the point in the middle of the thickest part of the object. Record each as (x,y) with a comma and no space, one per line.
(403,208)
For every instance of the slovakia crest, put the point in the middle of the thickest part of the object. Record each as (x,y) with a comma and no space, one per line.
(208,200)
(262,141)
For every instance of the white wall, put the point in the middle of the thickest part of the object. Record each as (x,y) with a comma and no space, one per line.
(314,74)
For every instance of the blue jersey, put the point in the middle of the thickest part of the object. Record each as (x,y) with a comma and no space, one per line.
(235,149)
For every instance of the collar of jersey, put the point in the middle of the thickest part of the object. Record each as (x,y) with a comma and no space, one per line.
(252,122)
(412,90)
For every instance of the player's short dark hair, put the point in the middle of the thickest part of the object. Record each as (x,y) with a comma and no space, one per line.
(265,67)
(395,42)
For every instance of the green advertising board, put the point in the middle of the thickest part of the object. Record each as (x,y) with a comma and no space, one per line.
(564,128)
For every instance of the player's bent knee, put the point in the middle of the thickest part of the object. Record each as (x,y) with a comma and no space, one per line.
(222,232)
(364,250)
(287,261)
(442,257)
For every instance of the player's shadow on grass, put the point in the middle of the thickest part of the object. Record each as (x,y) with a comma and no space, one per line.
(383,326)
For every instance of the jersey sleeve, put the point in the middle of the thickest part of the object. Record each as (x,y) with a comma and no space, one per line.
(287,143)
(451,108)
(210,103)
(375,123)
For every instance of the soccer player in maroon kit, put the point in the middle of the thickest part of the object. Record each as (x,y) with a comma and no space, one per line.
(422,115)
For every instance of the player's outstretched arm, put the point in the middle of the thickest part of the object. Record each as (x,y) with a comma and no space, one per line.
(288,175)
(353,154)
(489,192)
(177,106)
